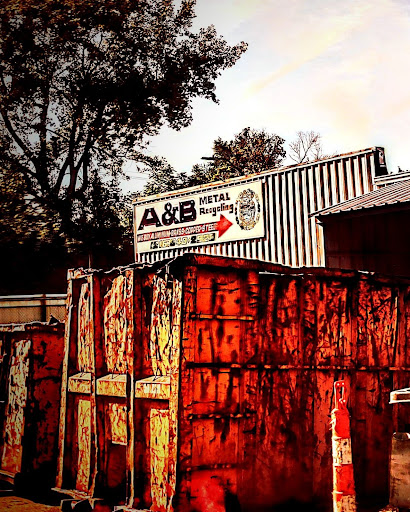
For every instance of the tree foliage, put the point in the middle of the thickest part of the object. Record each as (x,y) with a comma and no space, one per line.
(249,152)
(84,82)
(162,176)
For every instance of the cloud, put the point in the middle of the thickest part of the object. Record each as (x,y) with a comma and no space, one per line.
(340,68)
(302,38)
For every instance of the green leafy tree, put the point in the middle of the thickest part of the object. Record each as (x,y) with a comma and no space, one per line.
(82,84)
(162,176)
(249,152)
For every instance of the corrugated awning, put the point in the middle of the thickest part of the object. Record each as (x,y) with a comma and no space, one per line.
(397,193)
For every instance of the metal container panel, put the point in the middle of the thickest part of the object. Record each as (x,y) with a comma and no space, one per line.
(228,381)
(30,377)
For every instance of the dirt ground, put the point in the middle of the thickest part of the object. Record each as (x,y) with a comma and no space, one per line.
(14,503)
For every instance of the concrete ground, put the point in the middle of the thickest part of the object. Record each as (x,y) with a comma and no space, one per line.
(17,504)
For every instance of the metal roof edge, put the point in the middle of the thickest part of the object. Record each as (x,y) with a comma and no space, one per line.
(43,296)
(360,202)
(207,260)
(252,177)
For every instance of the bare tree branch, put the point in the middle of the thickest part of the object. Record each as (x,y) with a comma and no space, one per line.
(306,147)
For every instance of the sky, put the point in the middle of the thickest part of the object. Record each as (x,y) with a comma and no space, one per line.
(338,68)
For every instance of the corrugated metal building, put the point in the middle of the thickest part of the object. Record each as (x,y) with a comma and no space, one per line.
(289,195)
(370,232)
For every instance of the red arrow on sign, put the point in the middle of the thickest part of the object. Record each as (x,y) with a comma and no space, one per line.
(223,225)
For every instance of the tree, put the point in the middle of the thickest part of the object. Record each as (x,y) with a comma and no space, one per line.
(162,176)
(249,152)
(307,147)
(35,254)
(82,84)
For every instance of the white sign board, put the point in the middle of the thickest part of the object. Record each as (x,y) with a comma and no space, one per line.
(205,217)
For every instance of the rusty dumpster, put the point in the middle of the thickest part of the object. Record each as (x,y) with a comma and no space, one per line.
(205,383)
(31,357)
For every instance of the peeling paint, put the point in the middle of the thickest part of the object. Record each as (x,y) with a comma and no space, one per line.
(112,385)
(84,339)
(115,326)
(84,445)
(221,382)
(17,399)
(159,439)
(118,423)
(160,327)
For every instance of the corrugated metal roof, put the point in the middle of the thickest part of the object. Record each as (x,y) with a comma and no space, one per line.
(391,194)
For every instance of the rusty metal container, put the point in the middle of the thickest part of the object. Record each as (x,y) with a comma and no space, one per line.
(31,357)
(170,224)
(205,383)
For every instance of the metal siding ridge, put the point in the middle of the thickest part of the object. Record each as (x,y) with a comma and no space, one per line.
(326,183)
(292,220)
(333,183)
(318,184)
(300,260)
(270,234)
(341,181)
(365,174)
(349,175)
(372,175)
(279,223)
(315,200)
(285,225)
(308,258)
(357,181)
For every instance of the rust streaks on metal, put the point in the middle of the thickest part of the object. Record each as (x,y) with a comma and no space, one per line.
(84,446)
(85,341)
(16,403)
(30,372)
(80,383)
(115,326)
(224,387)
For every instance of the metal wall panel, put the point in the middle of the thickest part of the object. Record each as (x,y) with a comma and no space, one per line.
(32,308)
(261,350)
(290,195)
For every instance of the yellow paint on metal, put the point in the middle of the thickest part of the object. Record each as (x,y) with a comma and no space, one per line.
(84,445)
(80,383)
(157,388)
(159,427)
(112,385)
(115,326)
(160,327)
(118,423)
(17,398)
(85,354)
